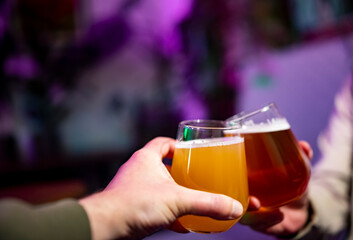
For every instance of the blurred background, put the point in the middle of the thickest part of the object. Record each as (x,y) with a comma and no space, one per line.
(84,84)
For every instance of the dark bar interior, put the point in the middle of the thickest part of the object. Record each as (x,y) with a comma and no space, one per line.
(84,84)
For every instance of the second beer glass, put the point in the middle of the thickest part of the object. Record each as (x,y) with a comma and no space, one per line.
(278,170)
(205,159)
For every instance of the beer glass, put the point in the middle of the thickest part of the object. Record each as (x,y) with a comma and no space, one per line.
(205,159)
(278,169)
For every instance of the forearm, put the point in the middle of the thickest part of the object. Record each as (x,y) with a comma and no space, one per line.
(100,212)
(326,216)
(329,189)
(61,220)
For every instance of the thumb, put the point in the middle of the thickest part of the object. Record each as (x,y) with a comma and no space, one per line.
(306,148)
(213,205)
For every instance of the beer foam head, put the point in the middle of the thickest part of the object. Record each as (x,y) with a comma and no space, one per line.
(211,142)
(273,125)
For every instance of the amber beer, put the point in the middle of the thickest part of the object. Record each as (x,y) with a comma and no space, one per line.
(278,170)
(214,165)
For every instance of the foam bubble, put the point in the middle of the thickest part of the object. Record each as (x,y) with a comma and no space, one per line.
(212,142)
(273,125)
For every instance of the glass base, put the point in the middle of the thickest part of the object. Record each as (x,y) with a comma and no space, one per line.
(202,232)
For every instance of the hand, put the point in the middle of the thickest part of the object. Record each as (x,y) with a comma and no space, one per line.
(143,198)
(286,220)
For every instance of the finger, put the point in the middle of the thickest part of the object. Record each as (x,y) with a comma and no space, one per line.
(177,227)
(168,167)
(254,204)
(262,218)
(300,202)
(214,205)
(306,148)
(163,146)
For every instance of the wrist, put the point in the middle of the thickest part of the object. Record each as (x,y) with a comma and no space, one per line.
(105,220)
(307,224)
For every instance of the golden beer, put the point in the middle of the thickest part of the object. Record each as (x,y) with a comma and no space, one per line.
(214,165)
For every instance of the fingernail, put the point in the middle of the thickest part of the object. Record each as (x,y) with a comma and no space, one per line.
(237,210)
(256,203)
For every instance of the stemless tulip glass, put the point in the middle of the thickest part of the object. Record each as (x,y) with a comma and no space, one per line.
(208,160)
(278,170)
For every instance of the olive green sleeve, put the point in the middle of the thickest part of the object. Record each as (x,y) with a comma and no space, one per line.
(65,219)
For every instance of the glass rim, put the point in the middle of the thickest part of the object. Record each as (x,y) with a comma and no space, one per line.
(263,108)
(193,123)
